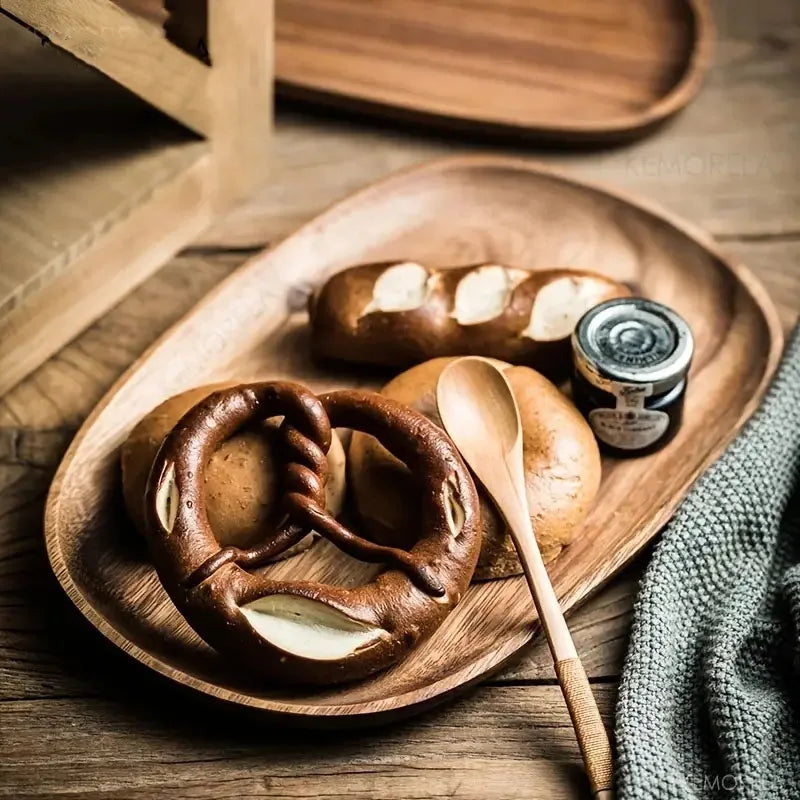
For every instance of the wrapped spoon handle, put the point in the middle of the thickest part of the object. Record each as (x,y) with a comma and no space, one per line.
(586,720)
(589,729)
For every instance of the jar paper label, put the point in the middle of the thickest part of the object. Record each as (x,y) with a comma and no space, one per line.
(628,428)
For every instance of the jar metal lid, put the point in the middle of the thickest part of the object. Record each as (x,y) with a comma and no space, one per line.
(632,341)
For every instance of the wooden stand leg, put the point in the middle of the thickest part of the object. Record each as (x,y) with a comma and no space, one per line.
(241,35)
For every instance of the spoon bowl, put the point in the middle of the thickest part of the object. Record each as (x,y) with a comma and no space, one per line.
(476,398)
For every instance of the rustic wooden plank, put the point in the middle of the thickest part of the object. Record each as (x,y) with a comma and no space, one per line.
(128,49)
(113,152)
(110,267)
(728,162)
(101,189)
(502,742)
(240,38)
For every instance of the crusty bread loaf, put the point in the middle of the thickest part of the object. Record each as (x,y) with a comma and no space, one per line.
(403,313)
(562,470)
(241,479)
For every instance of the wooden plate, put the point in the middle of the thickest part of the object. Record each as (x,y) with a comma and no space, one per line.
(578,70)
(572,70)
(449,212)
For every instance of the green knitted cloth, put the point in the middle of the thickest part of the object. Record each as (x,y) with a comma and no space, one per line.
(709,703)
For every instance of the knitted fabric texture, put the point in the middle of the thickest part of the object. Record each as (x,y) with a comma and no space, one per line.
(709,703)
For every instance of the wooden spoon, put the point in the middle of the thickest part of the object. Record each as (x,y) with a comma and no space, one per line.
(480,414)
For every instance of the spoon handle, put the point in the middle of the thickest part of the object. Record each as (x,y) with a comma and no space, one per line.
(589,729)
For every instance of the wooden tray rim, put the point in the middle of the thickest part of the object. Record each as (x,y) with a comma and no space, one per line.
(368,712)
(615,128)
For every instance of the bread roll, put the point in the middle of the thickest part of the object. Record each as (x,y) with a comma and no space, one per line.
(241,478)
(402,313)
(562,470)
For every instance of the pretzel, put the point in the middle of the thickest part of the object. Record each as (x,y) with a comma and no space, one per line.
(298,631)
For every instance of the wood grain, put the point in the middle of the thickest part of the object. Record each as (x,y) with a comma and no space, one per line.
(48,651)
(727,162)
(129,50)
(248,327)
(502,743)
(576,71)
(40,416)
(241,34)
(71,238)
(101,189)
(116,154)
(777,264)
(581,71)
(174,212)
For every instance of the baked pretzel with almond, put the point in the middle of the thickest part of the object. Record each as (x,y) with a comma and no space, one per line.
(299,631)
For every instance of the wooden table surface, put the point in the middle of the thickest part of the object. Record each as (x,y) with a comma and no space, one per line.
(80,719)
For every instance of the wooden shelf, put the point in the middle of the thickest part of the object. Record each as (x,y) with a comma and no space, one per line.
(87,157)
(127,48)
(101,188)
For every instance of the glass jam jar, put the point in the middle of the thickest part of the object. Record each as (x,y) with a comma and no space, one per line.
(630,358)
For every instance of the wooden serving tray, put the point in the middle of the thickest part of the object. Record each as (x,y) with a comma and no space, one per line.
(450,212)
(577,70)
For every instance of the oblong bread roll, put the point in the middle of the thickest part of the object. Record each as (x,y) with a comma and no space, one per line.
(562,470)
(403,313)
(241,477)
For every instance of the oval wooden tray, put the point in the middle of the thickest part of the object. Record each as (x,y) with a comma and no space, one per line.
(449,212)
(572,70)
